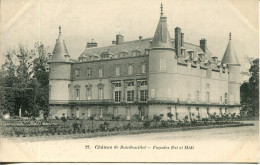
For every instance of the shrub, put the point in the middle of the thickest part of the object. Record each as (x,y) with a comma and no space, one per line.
(104,126)
(147,124)
(157,118)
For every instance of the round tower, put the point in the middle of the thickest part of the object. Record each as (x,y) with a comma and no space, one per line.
(59,76)
(230,60)
(161,63)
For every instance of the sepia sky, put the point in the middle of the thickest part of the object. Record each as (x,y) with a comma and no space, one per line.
(28,21)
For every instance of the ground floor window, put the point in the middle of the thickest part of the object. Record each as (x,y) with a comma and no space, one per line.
(189,110)
(117,96)
(100,111)
(115,111)
(143,95)
(198,112)
(220,111)
(176,113)
(130,95)
(128,113)
(88,112)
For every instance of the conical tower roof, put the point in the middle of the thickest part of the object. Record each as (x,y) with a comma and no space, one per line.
(230,57)
(60,50)
(162,38)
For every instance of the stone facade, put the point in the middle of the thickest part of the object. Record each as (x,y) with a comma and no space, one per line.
(145,77)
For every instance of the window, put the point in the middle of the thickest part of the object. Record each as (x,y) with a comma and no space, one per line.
(117,84)
(226,98)
(128,113)
(207,97)
(89,93)
(143,68)
(146,51)
(143,83)
(76,73)
(143,95)
(197,96)
(162,64)
(198,112)
(117,96)
(117,71)
(101,93)
(100,111)
(176,113)
(88,112)
(130,95)
(115,111)
(207,86)
(88,72)
(220,111)
(169,109)
(100,72)
(221,99)
(77,94)
(130,69)
(130,84)
(207,111)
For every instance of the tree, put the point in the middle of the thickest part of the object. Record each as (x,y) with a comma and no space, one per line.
(249,91)
(24,81)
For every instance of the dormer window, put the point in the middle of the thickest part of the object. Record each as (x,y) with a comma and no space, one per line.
(136,53)
(146,51)
(105,55)
(130,69)
(202,56)
(122,54)
(76,73)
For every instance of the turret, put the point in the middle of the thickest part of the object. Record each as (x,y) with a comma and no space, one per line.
(161,60)
(60,70)
(230,60)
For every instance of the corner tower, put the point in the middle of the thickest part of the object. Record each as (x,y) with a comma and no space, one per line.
(161,62)
(59,75)
(230,60)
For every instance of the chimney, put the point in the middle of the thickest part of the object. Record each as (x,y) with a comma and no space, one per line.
(91,44)
(182,39)
(178,41)
(119,39)
(203,44)
(215,59)
(140,37)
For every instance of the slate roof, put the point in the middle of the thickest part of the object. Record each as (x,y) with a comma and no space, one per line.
(230,55)
(60,50)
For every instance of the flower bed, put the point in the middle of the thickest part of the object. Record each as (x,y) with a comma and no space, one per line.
(88,128)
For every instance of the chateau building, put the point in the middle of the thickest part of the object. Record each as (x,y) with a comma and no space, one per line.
(145,77)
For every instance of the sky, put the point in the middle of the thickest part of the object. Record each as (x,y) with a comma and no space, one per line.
(28,21)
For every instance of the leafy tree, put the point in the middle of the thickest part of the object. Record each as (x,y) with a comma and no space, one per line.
(249,91)
(24,81)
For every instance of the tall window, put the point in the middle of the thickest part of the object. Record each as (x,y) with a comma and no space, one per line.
(115,111)
(117,96)
(130,69)
(76,73)
(143,68)
(100,72)
(226,98)
(128,113)
(101,93)
(207,97)
(130,95)
(176,113)
(143,95)
(221,99)
(117,71)
(88,72)
(118,84)
(162,64)
(89,93)
(77,94)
